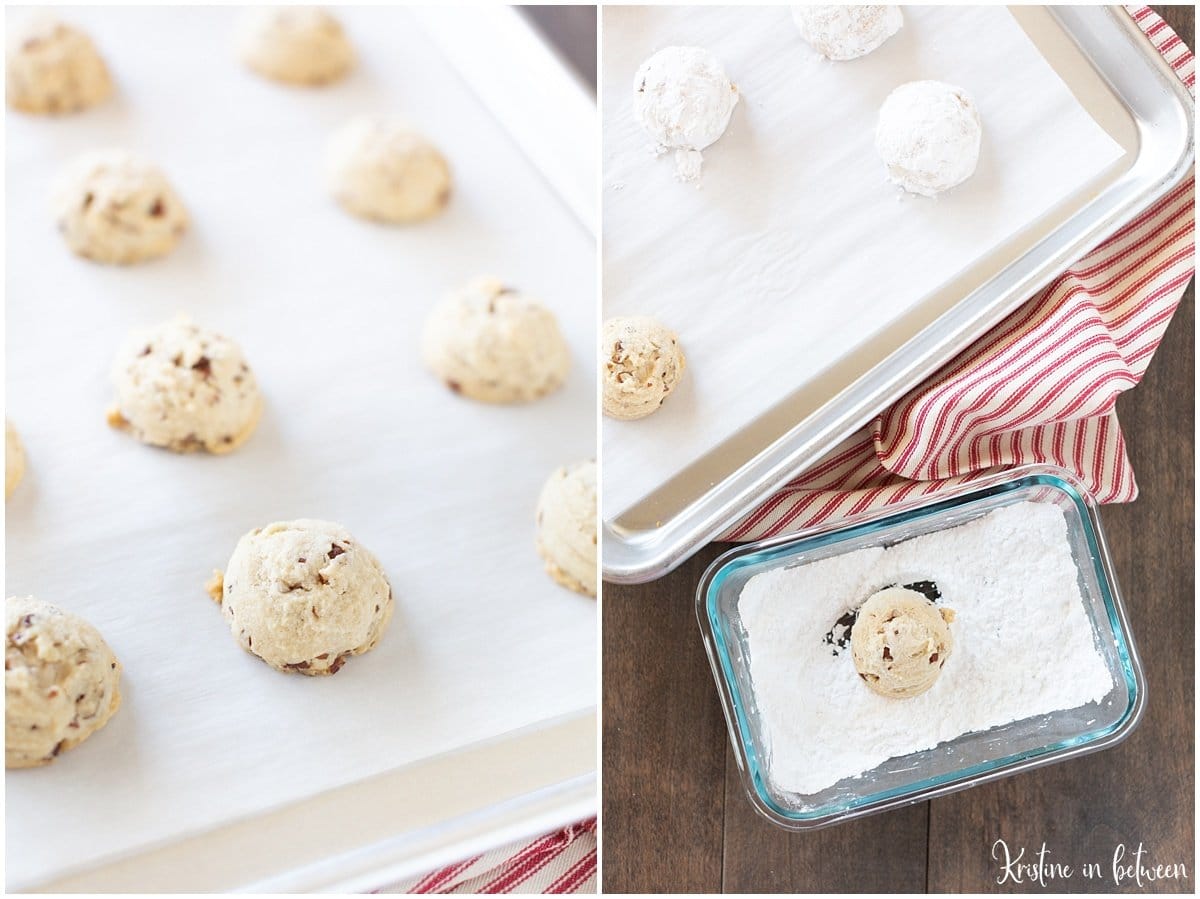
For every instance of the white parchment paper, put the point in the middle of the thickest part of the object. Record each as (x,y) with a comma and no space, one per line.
(328,310)
(794,250)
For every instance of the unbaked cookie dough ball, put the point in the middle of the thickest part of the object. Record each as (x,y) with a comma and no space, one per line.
(641,363)
(566,527)
(846,32)
(304,596)
(491,343)
(928,136)
(900,642)
(185,388)
(383,171)
(684,100)
(14,459)
(115,208)
(60,682)
(53,68)
(294,44)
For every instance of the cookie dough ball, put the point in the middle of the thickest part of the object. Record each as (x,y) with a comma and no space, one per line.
(294,44)
(14,459)
(928,136)
(383,171)
(684,100)
(60,682)
(566,527)
(304,596)
(53,68)
(182,387)
(115,208)
(846,32)
(491,343)
(900,642)
(641,362)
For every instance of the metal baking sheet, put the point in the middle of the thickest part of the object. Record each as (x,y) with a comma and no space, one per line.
(1122,82)
(473,721)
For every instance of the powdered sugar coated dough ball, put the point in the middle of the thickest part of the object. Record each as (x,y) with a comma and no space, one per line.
(928,136)
(846,32)
(684,100)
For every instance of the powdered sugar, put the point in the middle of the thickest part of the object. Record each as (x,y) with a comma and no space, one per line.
(1023,645)
(847,32)
(684,100)
(928,135)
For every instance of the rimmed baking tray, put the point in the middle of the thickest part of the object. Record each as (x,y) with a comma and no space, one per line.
(1125,85)
(473,723)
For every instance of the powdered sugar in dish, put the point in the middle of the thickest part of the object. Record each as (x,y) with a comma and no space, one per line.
(1023,640)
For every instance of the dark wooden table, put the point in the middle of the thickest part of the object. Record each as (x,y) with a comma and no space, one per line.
(676,818)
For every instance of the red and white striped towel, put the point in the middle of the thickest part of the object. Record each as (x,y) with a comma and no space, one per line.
(1041,388)
(559,862)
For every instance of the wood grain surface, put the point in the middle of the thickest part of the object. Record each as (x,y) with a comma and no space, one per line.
(676,817)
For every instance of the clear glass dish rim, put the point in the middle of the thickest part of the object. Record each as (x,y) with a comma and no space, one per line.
(919,790)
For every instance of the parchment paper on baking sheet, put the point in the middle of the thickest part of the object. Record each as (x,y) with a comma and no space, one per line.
(328,310)
(794,249)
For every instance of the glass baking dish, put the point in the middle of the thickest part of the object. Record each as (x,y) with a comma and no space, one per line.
(972,758)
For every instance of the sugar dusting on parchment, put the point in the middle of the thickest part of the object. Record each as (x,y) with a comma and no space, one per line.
(1023,645)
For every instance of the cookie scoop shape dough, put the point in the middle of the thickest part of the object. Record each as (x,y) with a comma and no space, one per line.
(383,171)
(53,68)
(566,526)
(14,459)
(60,682)
(900,642)
(684,100)
(184,388)
(491,343)
(300,45)
(116,208)
(846,32)
(641,363)
(928,136)
(304,596)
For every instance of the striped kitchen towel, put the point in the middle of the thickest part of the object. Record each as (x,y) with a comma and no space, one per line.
(559,862)
(1041,388)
